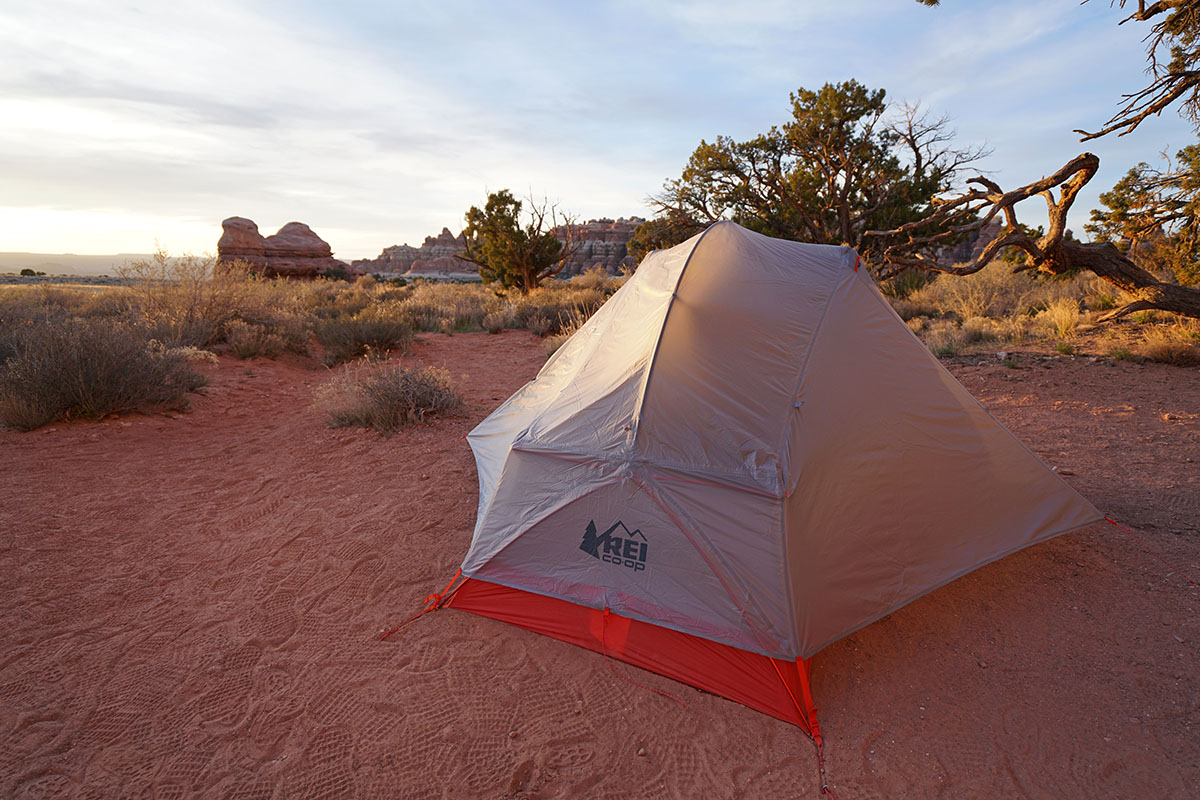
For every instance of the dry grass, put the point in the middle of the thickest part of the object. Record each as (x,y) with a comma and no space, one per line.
(386,397)
(497,321)
(1061,316)
(251,340)
(568,328)
(945,338)
(995,291)
(378,329)
(1178,343)
(954,314)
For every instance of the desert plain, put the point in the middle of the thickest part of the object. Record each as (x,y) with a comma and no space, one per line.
(192,600)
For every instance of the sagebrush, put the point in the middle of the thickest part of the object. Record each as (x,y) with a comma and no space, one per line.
(386,397)
(62,368)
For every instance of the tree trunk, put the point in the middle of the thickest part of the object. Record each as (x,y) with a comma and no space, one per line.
(909,247)
(1111,265)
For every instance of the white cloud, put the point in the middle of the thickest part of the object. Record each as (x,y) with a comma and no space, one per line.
(380,123)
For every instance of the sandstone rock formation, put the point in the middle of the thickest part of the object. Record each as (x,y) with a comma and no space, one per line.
(295,251)
(602,243)
(403,257)
(441,264)
(972,246)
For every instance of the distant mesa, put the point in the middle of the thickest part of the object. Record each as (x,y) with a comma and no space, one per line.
(603,243)
(294,252)
(435,255)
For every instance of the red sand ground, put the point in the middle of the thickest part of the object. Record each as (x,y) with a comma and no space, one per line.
(189,605)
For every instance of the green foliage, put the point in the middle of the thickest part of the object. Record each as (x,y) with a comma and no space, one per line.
(836,169)
(1066,348)
(661,232)
(62,367)
(386,397)
(1153,215)
(507,252)
(904,284)
(337,273)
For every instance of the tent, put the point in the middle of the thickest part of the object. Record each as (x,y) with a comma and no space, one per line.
(742,457)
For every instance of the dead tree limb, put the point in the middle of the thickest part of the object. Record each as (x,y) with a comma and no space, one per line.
(919,244)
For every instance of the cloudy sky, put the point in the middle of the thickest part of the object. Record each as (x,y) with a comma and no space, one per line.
(378,122)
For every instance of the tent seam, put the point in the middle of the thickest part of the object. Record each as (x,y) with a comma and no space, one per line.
(779,446)
(641,401)
(713,555)
(786,480)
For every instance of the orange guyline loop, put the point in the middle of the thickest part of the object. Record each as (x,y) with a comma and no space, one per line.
(431,603)
(626,678)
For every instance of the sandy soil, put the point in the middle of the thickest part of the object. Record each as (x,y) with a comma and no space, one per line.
(190,601)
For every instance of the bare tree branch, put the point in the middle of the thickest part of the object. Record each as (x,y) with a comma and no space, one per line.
(906,248)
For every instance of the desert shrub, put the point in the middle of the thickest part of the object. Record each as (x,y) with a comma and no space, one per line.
(541,325)
(335,273)
(185,300)
(559,302)
(195,355)
(108,302)
(979,329)
(248,340)
(910,309)
(550,309)
(1066,348)
(568,328)
(465,305)
(596,278)
(381,328)
(277,329)
(497,321)
(1061,316)
(903,285)
(329,299)
(79,301)
(1100,295)
(386,397)
(917,324)
(191,300)
(1016,329)
(67,368)
(1172,344)
(392,293)
(365,283)
(945,338)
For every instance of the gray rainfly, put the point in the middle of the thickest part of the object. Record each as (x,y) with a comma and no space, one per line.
(743,456)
